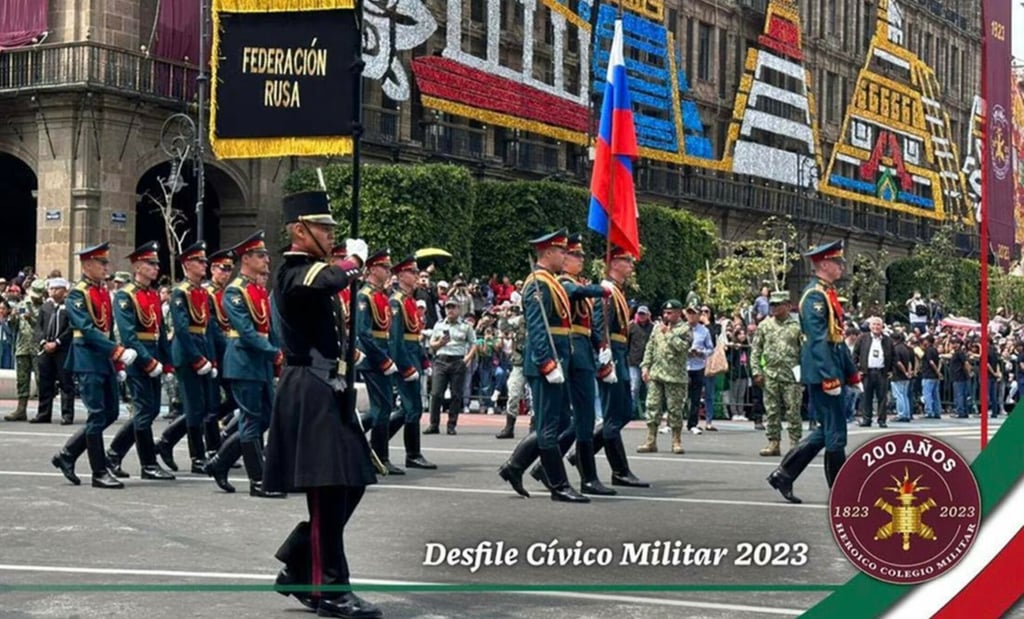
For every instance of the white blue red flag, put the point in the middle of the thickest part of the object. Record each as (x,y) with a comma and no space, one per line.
(613,211)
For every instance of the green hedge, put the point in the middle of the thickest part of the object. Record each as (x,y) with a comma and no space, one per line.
(909,274)
(485,224)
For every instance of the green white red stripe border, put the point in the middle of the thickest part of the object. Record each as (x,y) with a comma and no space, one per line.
(990,577)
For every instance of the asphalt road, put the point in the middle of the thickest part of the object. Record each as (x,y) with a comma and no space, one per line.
(63,548)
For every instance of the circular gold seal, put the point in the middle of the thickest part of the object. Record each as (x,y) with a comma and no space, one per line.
(905,508)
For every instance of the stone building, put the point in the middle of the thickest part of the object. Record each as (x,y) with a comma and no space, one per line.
(82,112)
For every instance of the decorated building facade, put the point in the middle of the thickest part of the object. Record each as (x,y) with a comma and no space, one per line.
(857,119)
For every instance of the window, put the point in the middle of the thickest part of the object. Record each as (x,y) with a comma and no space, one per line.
(926,49)
(954,70)
(673,22)
(704,51)
(477,10)
(723,51)
(831,104)
(687,47)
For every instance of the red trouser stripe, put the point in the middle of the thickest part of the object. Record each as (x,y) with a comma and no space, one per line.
(314,541)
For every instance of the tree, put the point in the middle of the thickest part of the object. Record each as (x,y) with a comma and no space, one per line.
(745,266)
(175,220)
(865,284)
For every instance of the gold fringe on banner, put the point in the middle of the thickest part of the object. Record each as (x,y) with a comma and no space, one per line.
(253,148)
(269,6)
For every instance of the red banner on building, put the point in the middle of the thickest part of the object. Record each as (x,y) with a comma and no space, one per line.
(998,190)
(1018,150)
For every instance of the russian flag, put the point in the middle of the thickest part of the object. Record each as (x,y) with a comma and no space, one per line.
(613,211)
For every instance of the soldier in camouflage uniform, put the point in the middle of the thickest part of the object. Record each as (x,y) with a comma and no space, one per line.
(511,322)
(664,371)
(775,352)
(25,320)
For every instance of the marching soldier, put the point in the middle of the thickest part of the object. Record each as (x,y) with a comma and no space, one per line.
(614,376)
(222,403)
(96,359)
(586,343)
(139,322)
(315,444)
(193,356)
(409,357)
(825,366)
(512,323)
(251,361)
(548,314)
(664,370)
(373,325)
(775,353)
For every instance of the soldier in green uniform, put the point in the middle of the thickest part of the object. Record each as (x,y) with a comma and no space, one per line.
(404,347)
(775,352)
(25,319)
(548,314)
(140,325)
(373,325)
(664,371)
(825,366)
(222,404)
(587,342)
(193,356)
(251,360)
(513,325)
(96,359)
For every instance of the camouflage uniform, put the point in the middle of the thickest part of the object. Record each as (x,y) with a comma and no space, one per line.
(665,362)
(516,384)
(775,352)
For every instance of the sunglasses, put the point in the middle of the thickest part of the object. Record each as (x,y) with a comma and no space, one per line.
(223,267)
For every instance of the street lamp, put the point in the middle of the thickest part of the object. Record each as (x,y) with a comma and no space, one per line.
(807,173)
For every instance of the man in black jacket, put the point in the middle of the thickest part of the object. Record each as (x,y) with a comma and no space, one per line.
(874,354)
(53,351)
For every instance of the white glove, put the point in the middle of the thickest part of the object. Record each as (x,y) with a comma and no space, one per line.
(358,357)
(156,371)
(128,356)
(555,376)
(859,387)
(412,377)
(604,356)
(834,391)
(357,247)
(608,285)
(430,371)
(213,373)
(611,378)
(205,369)
(391,370)
(122,376)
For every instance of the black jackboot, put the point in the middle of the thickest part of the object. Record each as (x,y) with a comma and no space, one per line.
(589,483)
(615,451)
(252,458)
(509,431)
(172,434)
(565,441)
(554,469)
(219,465)
(379,439)
(413,456)
(524,454)
(793,463)
(395,423)
(295,554)
(598,444)
(833,462)
(65,458)
(211,434)
(196,449)
(101,477)
(119,446)
(147,456)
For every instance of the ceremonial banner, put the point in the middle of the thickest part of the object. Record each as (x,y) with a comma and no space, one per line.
(998,192)
(282,77)
(1018,151)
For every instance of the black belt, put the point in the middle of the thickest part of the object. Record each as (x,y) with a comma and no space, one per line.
(450,357)
(875,370)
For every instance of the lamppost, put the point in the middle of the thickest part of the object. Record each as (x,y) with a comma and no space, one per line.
(807,173)
(203,82)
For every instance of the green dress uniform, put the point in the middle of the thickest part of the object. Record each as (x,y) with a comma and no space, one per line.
(95,359)
(139,322)
(251,360)
(665,363)
(548,314)
(373,327)
(406,350)
(194,358)
(775,351)
(825,365)
(585,341)
(615,395)
(315,443)
(222,403)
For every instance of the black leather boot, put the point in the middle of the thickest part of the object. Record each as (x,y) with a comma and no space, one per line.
(196,449)
(509,431)
(219,465)
(379,439)
(833,462)
(348,606)
(413,456)
(119,446)
(66,464)
(589,483)
(147,457)
(565,441)
(252,458)
(615,451)
(524,454)
(793,463)
(211,434)
(172,434)
(554,468)
(395,423)
(598,443)
(101,477)
(295,554)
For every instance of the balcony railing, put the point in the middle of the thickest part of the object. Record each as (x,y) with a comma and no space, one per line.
(455,140)
(380,124)
(532,156)
(88,65)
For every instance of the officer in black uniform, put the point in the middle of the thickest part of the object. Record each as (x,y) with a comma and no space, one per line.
(315,444)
